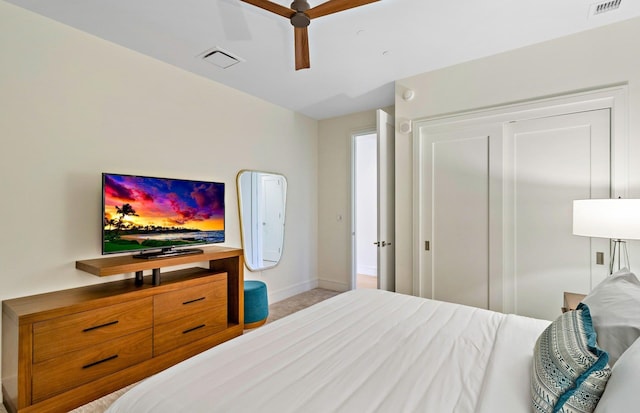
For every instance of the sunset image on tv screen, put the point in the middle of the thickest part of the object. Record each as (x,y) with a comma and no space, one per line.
(146,212)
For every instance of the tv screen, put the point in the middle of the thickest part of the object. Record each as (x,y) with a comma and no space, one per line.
(146,213)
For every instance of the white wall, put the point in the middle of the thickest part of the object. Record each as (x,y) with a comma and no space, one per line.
(73,106)
(593,59)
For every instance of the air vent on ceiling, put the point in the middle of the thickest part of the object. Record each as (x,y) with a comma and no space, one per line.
(220,57)
(604,6)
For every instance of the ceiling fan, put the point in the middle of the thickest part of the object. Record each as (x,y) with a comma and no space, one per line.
(300,15)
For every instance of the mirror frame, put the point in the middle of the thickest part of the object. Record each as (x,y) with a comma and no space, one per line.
(247,262)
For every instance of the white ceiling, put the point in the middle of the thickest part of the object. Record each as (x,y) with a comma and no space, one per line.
(356,55)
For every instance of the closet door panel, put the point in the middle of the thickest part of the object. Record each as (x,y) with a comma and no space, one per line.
(460,210)
(551,162)
(454,215)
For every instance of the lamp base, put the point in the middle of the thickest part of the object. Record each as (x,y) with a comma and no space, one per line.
(619,256)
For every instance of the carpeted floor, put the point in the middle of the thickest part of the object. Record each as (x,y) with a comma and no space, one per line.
(298,302)
(276,311)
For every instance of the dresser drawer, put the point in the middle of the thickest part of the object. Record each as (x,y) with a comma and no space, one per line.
(171,335)
(62,373)
(58,336)
(178,304)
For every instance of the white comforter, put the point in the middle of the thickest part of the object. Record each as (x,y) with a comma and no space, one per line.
(361,351)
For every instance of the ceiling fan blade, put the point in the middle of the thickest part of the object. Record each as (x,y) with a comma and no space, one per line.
(302,48)
(334,6)
(272,7)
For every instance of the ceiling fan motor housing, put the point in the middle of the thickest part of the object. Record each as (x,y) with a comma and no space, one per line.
(299,19)
(300,5)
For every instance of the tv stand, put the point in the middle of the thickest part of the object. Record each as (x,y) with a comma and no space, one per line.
(163,254)
(63,349)
(168,252)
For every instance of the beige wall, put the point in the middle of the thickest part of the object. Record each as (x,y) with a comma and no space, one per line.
(334,196)
(588,60)
(73,106)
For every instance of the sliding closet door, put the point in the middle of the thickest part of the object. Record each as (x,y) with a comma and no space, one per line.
(494,210)
(455,195)
(550,162)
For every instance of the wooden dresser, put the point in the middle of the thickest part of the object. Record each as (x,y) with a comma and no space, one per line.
(65,348)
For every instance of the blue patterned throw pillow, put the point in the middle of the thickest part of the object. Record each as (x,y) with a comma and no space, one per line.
(569,371)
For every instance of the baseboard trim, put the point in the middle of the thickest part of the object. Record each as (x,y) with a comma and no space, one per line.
(333,285)
(280,295)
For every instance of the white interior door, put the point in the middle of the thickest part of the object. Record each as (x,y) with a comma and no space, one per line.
(549,163)
(256,219)
(273,198)
(455,190)
(386,201)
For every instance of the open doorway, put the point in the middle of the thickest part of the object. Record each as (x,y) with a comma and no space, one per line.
(365,210)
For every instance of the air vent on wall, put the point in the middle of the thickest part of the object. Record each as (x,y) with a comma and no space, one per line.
(604,6)
(220,57)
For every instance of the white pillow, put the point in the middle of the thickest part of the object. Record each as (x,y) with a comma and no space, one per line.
(621,393)
(615,310)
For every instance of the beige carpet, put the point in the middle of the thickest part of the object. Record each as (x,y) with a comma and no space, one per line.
(276,311)
(298,302)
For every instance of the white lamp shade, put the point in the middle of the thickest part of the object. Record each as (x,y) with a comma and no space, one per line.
(607,218)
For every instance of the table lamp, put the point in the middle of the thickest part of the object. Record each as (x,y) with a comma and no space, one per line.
(616,219)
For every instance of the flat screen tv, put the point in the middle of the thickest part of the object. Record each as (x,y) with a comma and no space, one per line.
(160,215)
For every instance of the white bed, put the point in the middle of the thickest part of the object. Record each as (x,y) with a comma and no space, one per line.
(360,351)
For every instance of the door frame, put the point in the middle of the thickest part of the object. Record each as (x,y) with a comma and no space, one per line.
(614,98)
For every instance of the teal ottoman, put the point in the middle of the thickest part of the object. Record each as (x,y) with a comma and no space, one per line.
(256,304)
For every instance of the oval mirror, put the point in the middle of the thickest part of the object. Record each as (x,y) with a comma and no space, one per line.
(262,203)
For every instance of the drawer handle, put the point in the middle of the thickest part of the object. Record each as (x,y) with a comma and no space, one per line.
(95,363)
(193,329)
(193,301)
(100,326)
